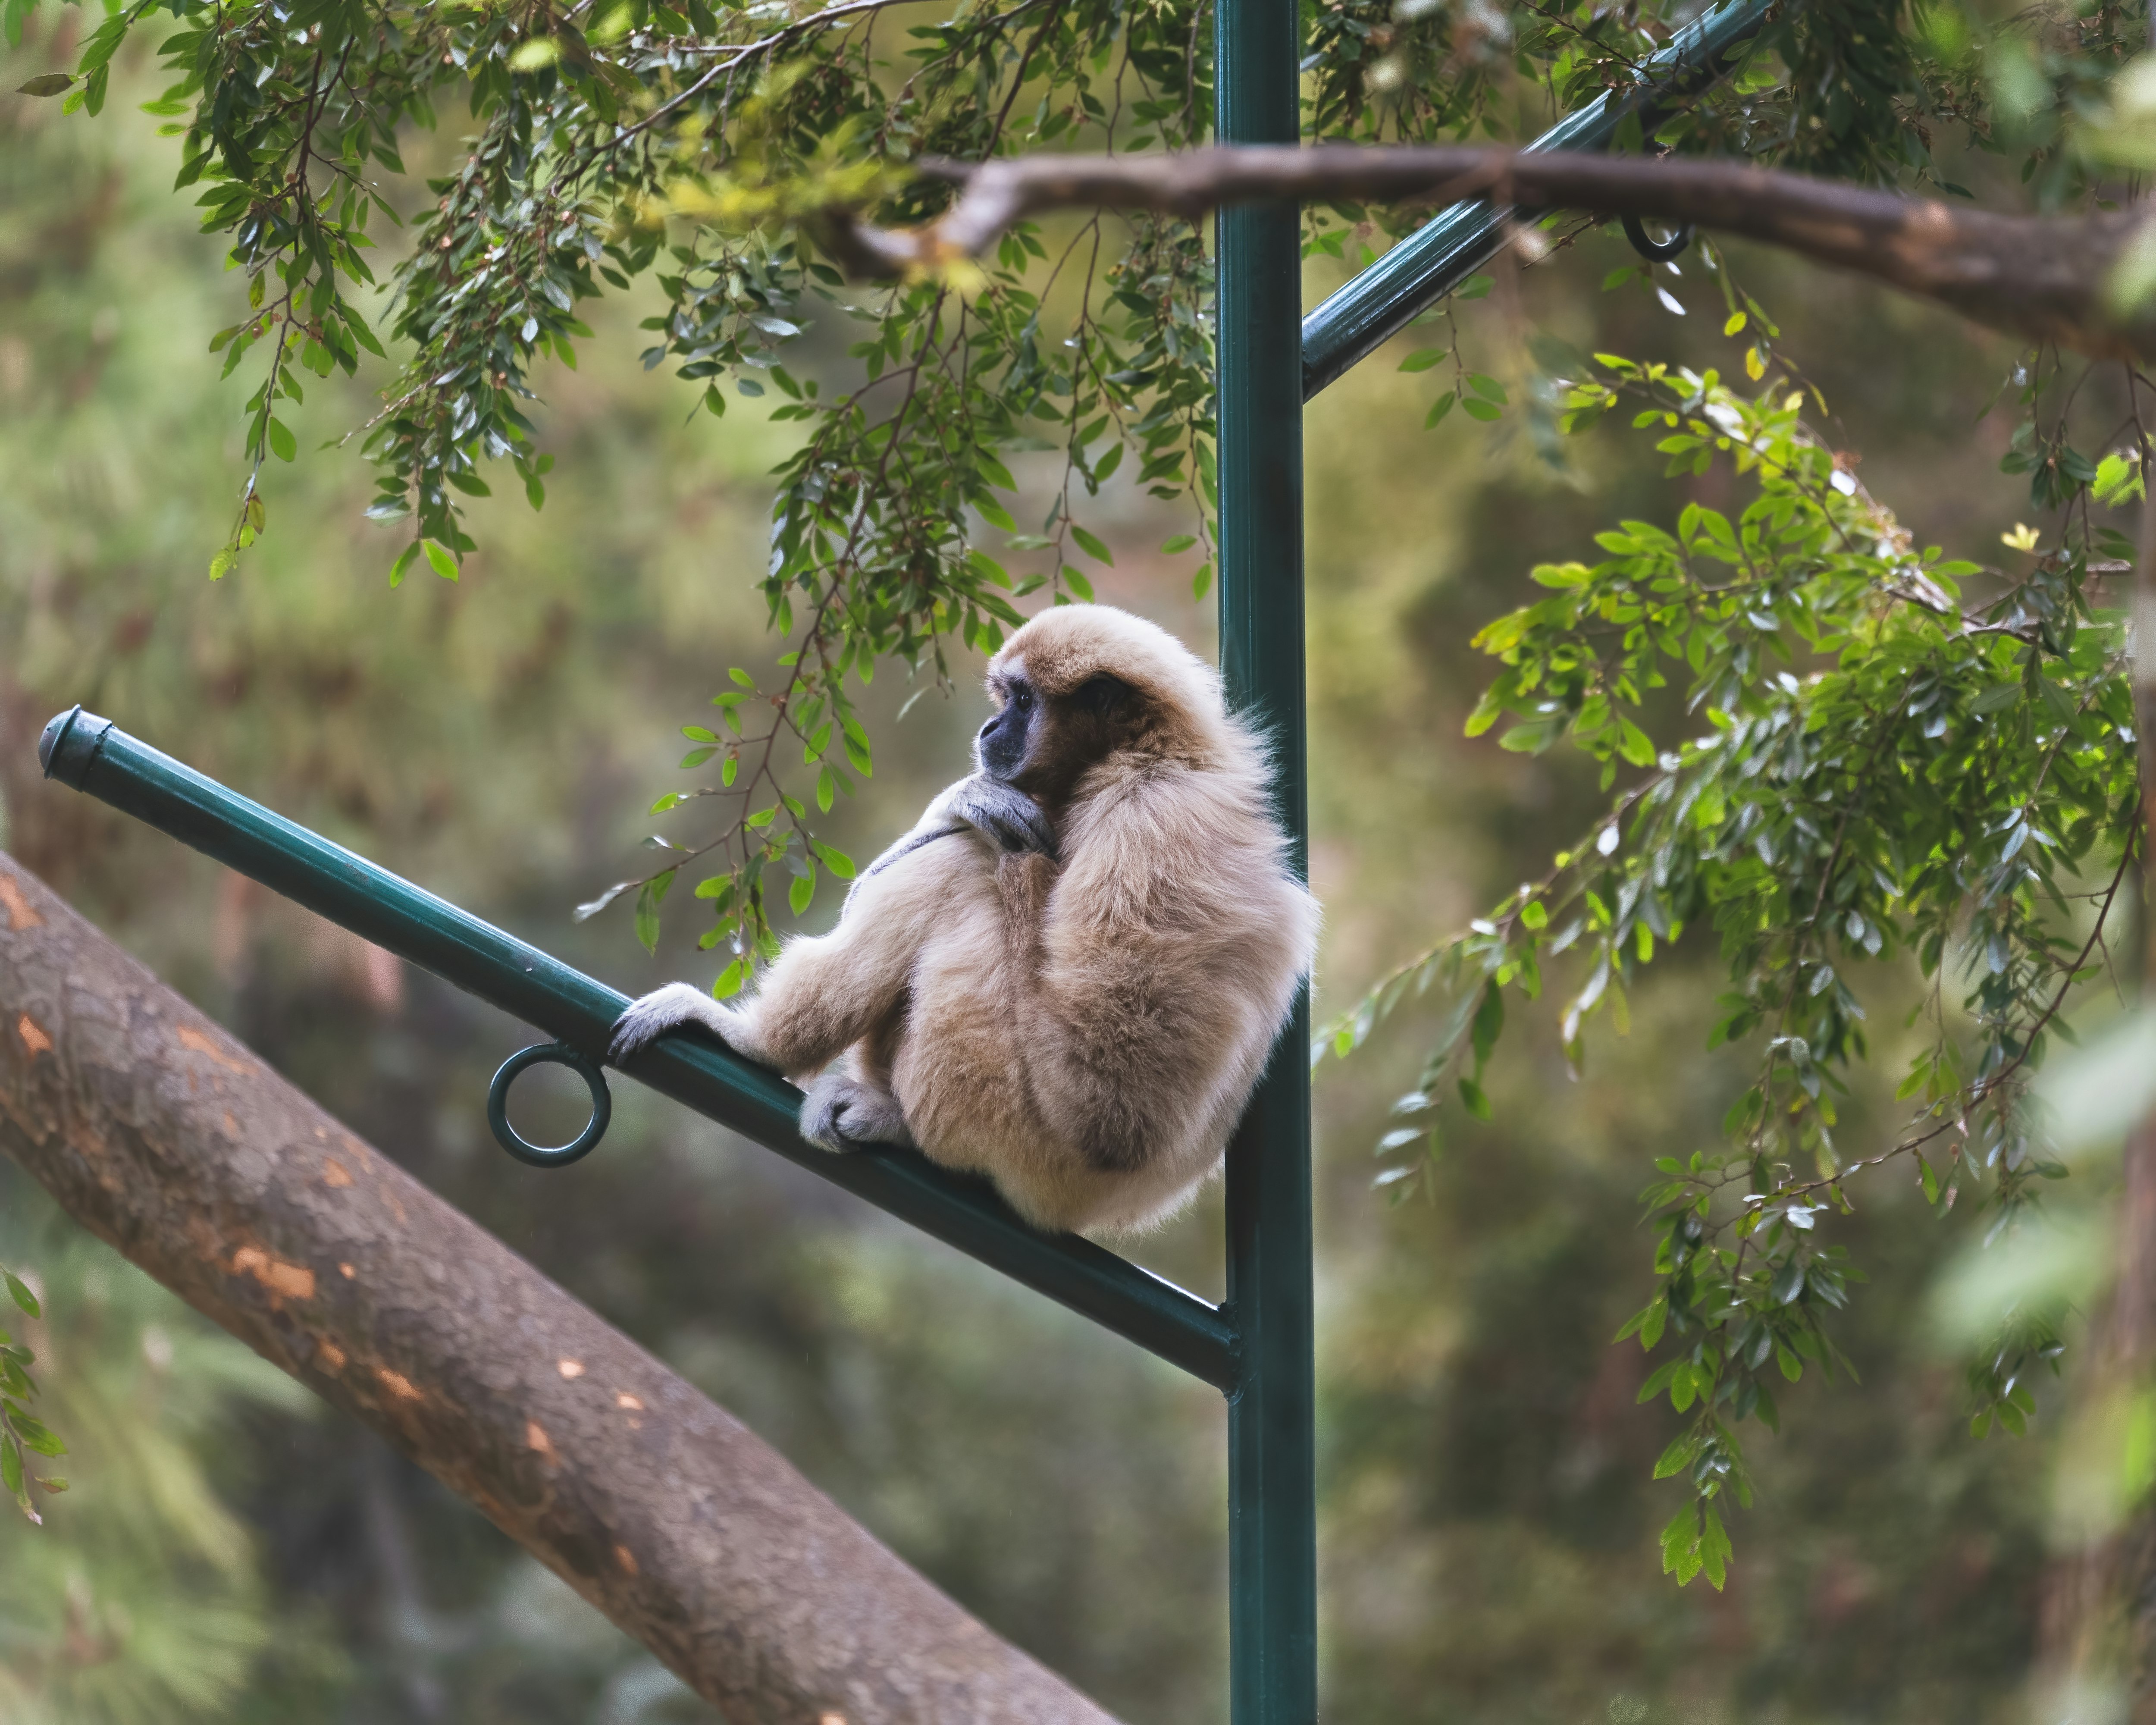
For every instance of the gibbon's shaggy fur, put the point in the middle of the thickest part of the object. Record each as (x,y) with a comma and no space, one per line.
(1068,976)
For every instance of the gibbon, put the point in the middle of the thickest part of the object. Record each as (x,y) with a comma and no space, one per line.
(1068,976)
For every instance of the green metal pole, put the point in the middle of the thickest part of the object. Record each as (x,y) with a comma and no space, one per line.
(1272,1511)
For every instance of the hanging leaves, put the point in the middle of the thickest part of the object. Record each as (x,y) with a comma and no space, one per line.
(1873,769)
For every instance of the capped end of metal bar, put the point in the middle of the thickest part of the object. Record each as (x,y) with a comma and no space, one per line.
(69,744)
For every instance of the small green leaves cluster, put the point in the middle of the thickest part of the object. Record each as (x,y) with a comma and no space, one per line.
(767,842)
(1853,763)
(22,1433)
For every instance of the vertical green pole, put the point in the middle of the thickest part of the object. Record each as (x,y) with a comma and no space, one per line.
(1271,1493)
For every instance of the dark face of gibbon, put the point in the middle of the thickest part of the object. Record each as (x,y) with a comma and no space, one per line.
(1042,744)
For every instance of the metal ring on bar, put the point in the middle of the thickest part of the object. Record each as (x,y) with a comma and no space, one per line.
(1656,251)
(538,1155)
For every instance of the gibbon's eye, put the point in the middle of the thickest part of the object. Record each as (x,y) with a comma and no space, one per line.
(1021,697)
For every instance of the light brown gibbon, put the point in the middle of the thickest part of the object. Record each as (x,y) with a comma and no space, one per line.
(1068,976)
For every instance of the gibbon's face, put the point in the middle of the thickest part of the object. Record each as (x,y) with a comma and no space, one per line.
(1042,743)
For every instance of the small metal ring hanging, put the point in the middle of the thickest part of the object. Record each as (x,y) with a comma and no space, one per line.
(539,1155)
(1656,251)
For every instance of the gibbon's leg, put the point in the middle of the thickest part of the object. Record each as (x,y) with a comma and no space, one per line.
(952,1063)
(855,1103)
(841,1113)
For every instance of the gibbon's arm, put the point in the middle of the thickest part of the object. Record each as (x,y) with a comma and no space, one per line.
(1010,818)
(651,1016)
(826,991)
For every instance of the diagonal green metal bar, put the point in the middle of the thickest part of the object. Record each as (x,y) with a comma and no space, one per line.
(94,756)
(1457,241)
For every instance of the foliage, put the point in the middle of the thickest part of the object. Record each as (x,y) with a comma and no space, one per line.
(144,1601)
(22,1433)
(1884,771)
(700,143)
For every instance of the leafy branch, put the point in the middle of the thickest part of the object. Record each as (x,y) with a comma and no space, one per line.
(22,1433)
(1886,770)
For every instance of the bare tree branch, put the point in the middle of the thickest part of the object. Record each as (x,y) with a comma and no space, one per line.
(2044,278)
(164,1137)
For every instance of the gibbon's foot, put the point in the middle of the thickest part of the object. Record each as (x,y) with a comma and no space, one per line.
(667,1008)
(841,1114)
(1009,817)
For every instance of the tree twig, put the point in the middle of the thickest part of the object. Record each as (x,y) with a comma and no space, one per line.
(2044,278)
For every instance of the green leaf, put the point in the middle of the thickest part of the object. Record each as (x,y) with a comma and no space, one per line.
(19,1291)
(282,443)
(401,567)
(49,84)
(440,559)
(1714,1548)
(1093,547)
(647,910)
(1423,358)
(836,860)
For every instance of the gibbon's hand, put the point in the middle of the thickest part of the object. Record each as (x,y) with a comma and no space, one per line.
(667,1008)
(841,1114)
(1009,817)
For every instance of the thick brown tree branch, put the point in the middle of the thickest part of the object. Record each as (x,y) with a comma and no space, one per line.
(166,1137)
(2044,278)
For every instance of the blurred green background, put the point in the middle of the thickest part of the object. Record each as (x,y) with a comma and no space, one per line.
(231,1552)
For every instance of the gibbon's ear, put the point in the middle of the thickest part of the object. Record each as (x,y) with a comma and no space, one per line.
(1103,694)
